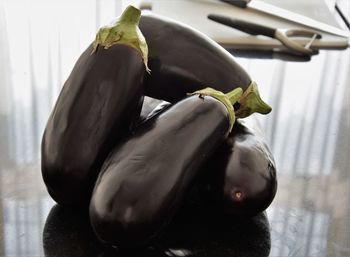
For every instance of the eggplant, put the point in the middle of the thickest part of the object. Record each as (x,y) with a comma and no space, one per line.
(184,60)
(240,178)
(242,166)
(99,103)
(162,106)
(150,106)
(143,181)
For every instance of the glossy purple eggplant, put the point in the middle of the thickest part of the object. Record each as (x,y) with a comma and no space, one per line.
(144,180)
(150,107)
(183,60)
(240,178)
(99,103)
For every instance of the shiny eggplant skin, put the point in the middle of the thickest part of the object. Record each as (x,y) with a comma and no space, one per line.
(151,107)
(98,104)
(183,60)
(240,178)
(145,178)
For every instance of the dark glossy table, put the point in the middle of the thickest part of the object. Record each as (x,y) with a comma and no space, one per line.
(308,132)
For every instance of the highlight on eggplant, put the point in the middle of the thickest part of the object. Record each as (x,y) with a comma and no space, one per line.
(99,103)
(150,107)
(143,181)
(183,60)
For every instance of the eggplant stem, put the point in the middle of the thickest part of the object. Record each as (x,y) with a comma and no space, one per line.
(228,100)
(251,102)
(234,95)
(124,31)
(131,15)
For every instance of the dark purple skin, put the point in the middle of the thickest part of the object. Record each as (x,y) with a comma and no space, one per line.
(143,181)
(151,107)
(183,60)
(99,103)
(240,178)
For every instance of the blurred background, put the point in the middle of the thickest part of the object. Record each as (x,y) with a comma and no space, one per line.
(308,130)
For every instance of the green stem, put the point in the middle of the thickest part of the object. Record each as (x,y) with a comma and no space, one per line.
(131,15)
(234,95)
(124,31)
(228,100)
(251,102)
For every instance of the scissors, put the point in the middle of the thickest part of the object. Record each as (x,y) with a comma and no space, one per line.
(285,36)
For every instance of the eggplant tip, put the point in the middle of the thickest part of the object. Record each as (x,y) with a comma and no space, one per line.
(237,194)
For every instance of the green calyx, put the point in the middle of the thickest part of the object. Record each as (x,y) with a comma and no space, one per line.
(124,31)
(227,99)
(251,102)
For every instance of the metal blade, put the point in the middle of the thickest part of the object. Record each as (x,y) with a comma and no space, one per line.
(295,17)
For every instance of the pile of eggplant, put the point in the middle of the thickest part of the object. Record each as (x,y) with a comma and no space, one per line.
(134,172)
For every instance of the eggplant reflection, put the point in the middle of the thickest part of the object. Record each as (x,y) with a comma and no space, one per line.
(68,233)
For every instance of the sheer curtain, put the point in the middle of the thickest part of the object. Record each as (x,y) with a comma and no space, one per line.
(40,42)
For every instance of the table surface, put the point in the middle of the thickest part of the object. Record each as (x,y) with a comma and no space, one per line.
(308,132)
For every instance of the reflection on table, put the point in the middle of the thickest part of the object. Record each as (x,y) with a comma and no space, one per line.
(193,233)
